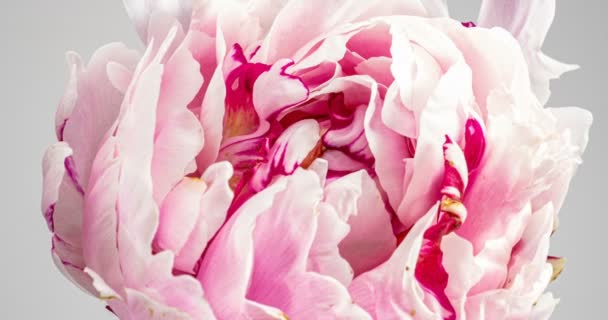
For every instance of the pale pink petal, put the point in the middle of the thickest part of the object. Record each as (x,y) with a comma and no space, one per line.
(529,22)
(178,133)
(390,291)
(288,152)
(436,8)
(529,276)
(96,107)
(100,221)
(212,119)
(445,114)
(463,270)
(214,204)
(70,95)
(277,224)
(277,90)
(76,275)
(575,124)
(544,307)
(389,150)
(53,172)
(495,59)
(179,213)
(370,240)
(314,18)
(140,12)
(324,257)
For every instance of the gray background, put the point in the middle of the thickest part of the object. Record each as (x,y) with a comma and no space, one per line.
(36,33)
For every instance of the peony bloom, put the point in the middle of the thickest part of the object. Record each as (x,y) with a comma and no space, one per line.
(315,160)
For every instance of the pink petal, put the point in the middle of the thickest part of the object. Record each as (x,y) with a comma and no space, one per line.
(391,291)
(288,152)
(314,18)
(178,133)
(53,172)
(96,107)
(370,240)
(140,12)
(389,150)
(324,257)
(444,114)
(237,268)
(529,22)
(214,204)
(277,90)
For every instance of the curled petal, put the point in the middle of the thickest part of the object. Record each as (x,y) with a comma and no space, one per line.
(529,22)
(141,11)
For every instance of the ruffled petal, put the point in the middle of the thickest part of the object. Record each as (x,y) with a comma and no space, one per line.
(358,202)
(528,21)
(277,224)
(140,12)
(391,291)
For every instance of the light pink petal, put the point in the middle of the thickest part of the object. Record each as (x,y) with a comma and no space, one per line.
(179,214)
(100,221)
(178,133)
(212,119)
(529,22)
(288,152)
(463,269)
(497,64)
(418,64)
(314,18)
(277,90)
(141,11)
(96,107)
(378,68)
(390,291)
(53,172)
(575,123)
(445,114)
(228,263)
(529,276)
(389,150)
(324,257)
(277,224)
(436,8)
(214,204)
(544,307)
(76,275)
(70,95)
(370,240)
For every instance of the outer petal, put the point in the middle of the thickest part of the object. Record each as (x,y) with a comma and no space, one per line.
(96,107)
(140,12)
(288,152)
(53,171)
(529,22)
(370,240)
(313,18)
(178,133)
(445,114)
(192,213)
(391,291)
(278,224)
(121,214)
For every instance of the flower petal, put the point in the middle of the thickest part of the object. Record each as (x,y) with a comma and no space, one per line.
(370,240)
(391,291)
(140,12)
(529,22)
(277,224)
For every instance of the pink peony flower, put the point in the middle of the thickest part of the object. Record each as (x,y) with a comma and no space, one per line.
(315,160)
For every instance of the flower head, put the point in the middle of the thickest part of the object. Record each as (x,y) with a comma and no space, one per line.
(315,160)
